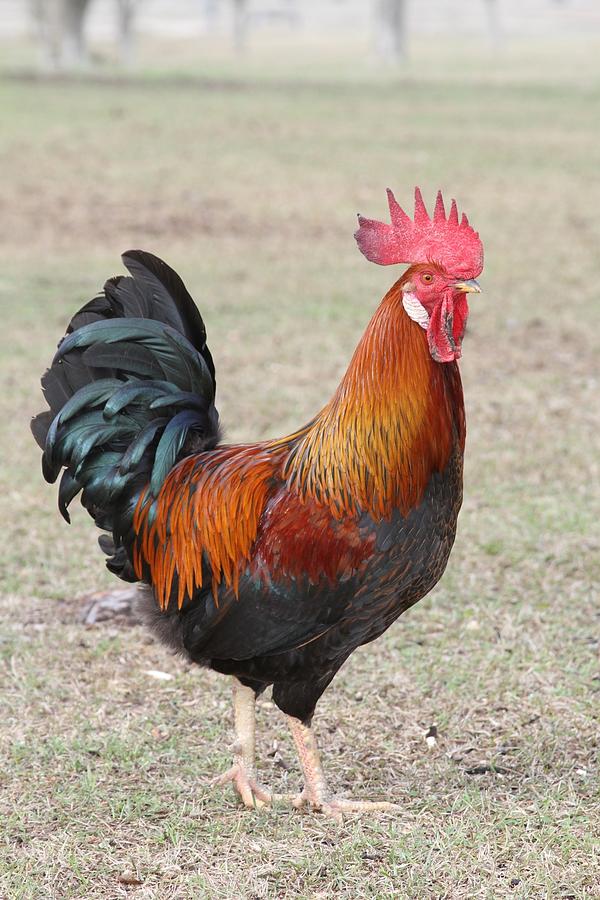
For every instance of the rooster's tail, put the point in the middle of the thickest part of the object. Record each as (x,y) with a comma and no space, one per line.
(130,391)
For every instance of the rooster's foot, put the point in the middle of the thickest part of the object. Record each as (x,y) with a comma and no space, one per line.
(316,794)
(252,794)
(337,807)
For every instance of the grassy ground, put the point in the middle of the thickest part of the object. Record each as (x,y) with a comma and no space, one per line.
(250,189)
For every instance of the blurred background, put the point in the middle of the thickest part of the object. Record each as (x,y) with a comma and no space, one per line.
(238,140)
(71,34)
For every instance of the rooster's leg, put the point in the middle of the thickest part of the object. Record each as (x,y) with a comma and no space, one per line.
(316,794)
(242,773)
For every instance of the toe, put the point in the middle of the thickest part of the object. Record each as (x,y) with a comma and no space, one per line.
(261,794)
(222,779)
(340,806)
(252,794)
(245,792)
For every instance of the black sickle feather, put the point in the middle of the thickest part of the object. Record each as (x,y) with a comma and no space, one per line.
(162,280)
(131,381)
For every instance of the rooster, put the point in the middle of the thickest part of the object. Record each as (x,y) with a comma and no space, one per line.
(271,562)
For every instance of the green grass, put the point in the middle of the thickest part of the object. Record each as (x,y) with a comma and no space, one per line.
(250,190)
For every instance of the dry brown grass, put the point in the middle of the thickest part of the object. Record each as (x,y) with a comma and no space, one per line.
(251,195)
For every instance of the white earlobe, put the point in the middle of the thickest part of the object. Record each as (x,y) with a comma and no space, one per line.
(415,310)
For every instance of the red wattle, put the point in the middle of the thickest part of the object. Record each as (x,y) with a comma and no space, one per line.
(447,327)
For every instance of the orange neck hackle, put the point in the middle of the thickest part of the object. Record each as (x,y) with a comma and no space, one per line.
(389,426)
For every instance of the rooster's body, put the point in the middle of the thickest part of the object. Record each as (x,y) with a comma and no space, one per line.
(270,562)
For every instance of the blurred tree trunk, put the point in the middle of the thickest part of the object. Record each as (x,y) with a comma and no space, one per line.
(126,10)
(74,48)
(60,28)
(46,21)
(492,15)
(391,41)
(240,25)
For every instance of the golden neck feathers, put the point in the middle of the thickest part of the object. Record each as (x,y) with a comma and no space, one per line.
(390,425)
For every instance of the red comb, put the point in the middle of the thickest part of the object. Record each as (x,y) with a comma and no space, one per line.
(441,239)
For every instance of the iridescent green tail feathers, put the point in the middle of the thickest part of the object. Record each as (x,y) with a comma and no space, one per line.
(130,391)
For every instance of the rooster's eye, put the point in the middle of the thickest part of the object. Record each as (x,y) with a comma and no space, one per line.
(427,278)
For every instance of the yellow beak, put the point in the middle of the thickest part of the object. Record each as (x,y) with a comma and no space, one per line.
(469,287)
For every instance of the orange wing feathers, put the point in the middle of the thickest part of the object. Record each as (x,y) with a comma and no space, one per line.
(208,509)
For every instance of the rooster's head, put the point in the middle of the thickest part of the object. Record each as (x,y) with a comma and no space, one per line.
(446,256)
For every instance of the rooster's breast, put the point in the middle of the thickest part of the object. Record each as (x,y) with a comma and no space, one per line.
(409,558)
